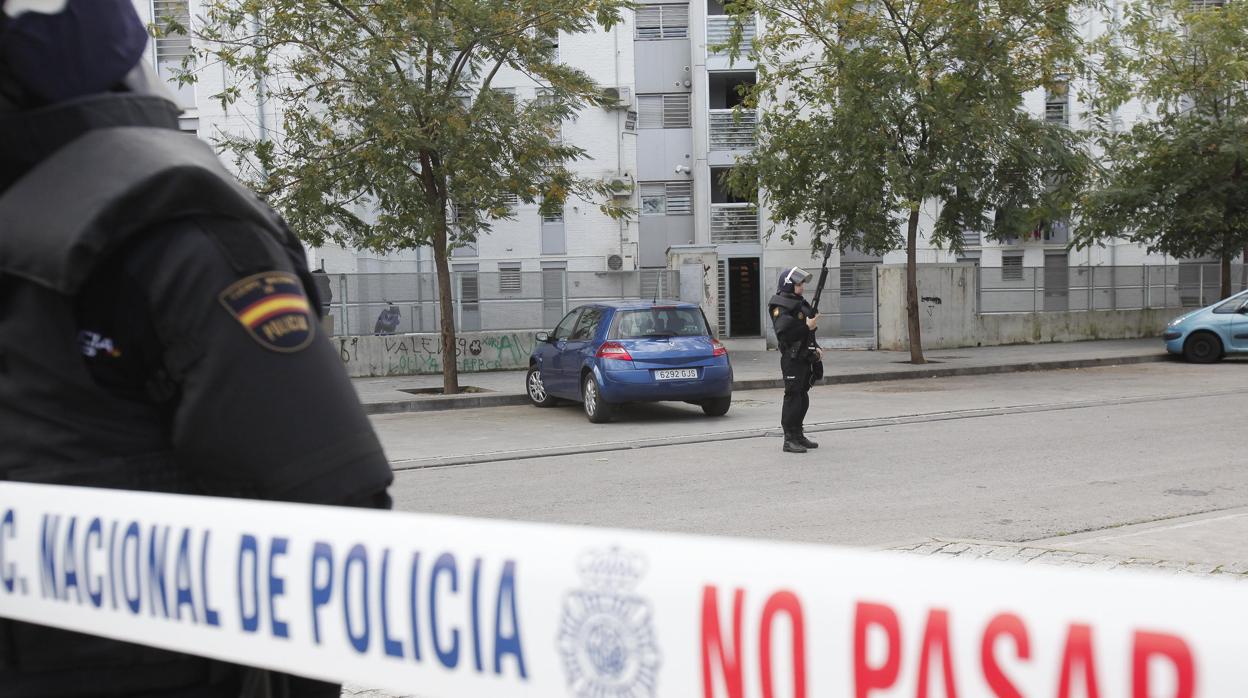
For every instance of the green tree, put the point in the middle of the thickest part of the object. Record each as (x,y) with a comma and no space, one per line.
(389,133)
(872,108)
(1176,181)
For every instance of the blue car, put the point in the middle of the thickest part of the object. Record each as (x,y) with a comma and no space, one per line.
(604,354)
(1206,335)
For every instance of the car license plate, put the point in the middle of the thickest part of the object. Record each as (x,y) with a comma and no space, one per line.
(676,374)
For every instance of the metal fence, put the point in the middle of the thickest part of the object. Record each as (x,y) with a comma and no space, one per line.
(366,304)
(847,305)
(1064,289)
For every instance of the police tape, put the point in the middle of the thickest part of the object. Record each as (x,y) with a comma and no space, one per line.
(445,606)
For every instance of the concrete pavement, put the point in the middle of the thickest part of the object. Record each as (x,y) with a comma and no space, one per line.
(755,370)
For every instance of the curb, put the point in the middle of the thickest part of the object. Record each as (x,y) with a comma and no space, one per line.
(465,402)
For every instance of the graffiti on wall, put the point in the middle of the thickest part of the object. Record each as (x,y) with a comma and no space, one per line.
(413,354)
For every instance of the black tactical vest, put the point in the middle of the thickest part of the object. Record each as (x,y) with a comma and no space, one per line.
(58,223)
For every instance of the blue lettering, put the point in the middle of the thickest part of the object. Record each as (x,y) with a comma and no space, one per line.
(132,536)
(184,596)
(95,530)
(474,613)
(47,556)
(322,555)
(112,563)
(211,617)
(414,589)
(392,647)
(277,587)
(70,564)
(8,571)
(156,571)
(444,563)
(507,644)
(358,556)
(248,549)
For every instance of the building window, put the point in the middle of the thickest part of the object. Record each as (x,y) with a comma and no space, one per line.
(1057,104)
(662,22)
(511,202)
(667,199)
(663,111)
(1012,267)
(509,278)
(171,48)
(857,280)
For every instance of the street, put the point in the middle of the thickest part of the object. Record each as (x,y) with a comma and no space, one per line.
(1015,457)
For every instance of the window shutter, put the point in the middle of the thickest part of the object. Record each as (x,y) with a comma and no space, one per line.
(509,279)
(650,111)
(675,21)
(172,47)
(1012,268)
(679,198)
(676,111)
(650,22)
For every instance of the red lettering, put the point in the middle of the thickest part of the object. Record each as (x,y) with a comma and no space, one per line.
(712,639)
(1160,645)
(866,677)
(784,602)
(1003,624)
(1078,649)
(936,638)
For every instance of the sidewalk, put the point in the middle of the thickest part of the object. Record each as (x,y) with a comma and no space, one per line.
(1207,545)
(759,370)
(755,370)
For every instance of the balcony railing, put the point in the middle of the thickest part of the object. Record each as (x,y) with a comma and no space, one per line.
(719,29)
(730,132)
(734,223)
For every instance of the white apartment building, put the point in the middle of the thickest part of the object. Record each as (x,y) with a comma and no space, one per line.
(670,139)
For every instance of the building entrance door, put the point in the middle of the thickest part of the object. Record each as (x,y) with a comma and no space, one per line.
(744,304)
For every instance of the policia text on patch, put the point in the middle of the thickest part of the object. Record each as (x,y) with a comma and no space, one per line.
(795,322)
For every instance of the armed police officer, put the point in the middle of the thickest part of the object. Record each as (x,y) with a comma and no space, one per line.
(157,329)
(795,322)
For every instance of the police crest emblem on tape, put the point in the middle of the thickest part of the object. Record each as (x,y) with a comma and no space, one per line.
(606,633)
(273,309)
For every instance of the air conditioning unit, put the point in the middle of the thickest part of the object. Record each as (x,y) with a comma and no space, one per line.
(623,97)
(615,262)
(621,185)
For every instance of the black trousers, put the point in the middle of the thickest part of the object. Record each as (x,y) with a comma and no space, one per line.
(796,373)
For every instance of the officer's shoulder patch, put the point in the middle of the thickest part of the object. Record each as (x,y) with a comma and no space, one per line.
(775,311)
(272,308)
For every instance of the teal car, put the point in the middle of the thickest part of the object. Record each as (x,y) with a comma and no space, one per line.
(1206,335)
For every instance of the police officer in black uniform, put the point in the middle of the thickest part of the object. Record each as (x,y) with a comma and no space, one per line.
(795,322)
(157,329)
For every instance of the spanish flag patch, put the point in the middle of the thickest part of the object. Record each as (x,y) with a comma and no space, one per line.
(273,309)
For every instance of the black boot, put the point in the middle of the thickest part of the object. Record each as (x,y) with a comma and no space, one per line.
(792,444)
(800,438)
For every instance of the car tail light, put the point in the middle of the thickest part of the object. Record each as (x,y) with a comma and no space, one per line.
(720,349)
(614,350)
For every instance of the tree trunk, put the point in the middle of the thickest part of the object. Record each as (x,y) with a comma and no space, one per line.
(1243,269)
(1225,273)
(912,288)
(450,369)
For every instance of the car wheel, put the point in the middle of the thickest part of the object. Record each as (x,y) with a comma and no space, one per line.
(597,409)
(1202,348)
(717,407)
(536,389)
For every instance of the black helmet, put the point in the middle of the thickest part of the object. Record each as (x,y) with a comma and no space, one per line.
(56,50)
(791,277)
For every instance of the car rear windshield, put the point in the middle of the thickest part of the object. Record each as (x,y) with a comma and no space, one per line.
(661,322)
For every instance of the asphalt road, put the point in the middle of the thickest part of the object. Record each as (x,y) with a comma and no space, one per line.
(1011,457)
